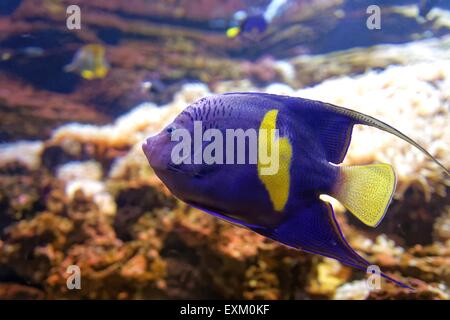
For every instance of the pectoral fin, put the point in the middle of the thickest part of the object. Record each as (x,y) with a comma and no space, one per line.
(221,215)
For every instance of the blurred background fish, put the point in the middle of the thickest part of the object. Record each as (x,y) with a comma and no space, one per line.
(26,52)
(248,24)
(89,62)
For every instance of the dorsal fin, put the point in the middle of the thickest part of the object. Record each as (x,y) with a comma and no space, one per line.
(328,119)
(332,129)
(373,122)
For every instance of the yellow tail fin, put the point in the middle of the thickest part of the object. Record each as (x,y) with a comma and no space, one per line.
(366,191)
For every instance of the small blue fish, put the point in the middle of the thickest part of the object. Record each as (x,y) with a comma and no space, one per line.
(252,24)
(312,141)
(255,23)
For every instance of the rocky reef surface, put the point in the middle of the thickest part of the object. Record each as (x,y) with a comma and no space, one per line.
(87,197)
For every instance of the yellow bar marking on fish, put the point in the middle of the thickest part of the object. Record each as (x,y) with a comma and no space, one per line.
(278,183)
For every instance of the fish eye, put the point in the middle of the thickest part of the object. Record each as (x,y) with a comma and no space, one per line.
(170,129)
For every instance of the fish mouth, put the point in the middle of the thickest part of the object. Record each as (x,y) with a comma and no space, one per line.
(145,147)
(153,151)
(148,148)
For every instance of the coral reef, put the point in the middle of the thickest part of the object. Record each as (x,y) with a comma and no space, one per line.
(26,153)
(87,197)
(310,69)
(28,112)
(442,226)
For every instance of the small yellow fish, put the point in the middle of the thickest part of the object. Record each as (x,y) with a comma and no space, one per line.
(233,32)
(89,62)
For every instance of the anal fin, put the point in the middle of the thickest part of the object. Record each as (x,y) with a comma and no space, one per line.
(313,228)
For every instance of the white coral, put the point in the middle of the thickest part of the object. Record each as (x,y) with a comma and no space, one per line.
(86,177)
(27,153)
(356,290)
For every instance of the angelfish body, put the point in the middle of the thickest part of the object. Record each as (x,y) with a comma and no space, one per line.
(312,140)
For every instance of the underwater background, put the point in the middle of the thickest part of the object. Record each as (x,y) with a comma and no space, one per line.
(78,97)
